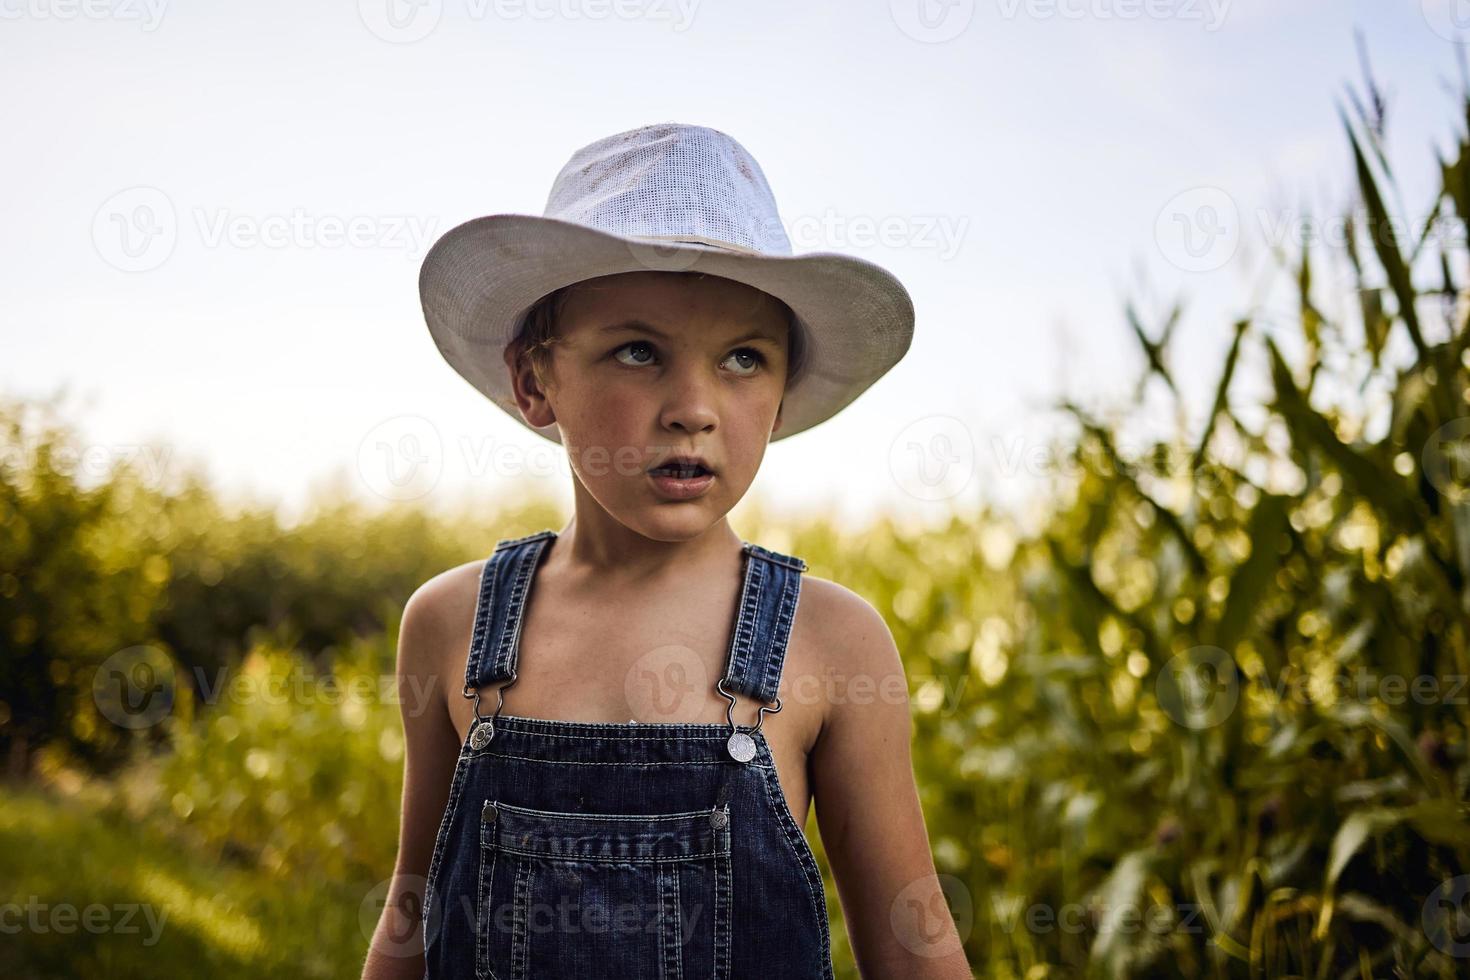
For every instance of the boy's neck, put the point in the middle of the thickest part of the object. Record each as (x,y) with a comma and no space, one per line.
(611,548)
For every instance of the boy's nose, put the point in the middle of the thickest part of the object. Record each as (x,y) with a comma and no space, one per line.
(689,404)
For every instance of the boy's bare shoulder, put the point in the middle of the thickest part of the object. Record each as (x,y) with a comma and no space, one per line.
(843,630)
(439,616)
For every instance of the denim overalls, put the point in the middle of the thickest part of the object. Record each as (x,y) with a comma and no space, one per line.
(572,850)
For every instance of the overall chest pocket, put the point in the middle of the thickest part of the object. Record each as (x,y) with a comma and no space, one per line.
(640,896)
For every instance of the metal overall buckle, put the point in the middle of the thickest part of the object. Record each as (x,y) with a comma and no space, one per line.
(484,729)
(741,745)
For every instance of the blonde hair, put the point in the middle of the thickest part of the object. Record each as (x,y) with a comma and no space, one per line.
(537,335)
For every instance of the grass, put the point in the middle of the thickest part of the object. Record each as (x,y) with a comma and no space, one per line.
(89,892)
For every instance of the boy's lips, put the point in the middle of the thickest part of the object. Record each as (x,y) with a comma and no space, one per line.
(684,461)
(681,476)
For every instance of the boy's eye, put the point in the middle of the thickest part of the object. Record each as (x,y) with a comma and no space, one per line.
(630,346)
(755,357)
(752,358)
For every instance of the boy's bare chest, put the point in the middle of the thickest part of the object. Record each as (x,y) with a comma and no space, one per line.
(626,658)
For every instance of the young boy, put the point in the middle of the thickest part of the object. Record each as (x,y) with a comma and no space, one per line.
(668,698)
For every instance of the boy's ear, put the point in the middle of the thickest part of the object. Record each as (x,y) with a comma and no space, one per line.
(530,399)
(775,426)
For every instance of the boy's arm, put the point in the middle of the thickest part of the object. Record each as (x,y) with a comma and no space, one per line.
(868,809)
(431,750)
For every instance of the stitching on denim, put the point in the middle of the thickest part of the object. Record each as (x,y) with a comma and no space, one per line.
(505,643)
(484,610)
(781,632)
(686,815)
(529,559)
(742,651)
(568,762)
(676,929)
(518,938)
(739,642)
(611,858)
(615,730)
(801,850)
(483,912)
(662,931)
(723,920)
(461,769)
(509,542)
(790,561)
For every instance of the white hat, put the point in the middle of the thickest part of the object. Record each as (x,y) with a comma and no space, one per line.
(667,197)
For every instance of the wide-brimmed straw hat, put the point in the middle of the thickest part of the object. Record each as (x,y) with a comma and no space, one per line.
(666,197)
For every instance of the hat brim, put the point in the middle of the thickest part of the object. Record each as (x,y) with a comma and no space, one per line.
(481,277)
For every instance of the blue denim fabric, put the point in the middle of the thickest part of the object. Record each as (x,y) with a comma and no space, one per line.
(630,851)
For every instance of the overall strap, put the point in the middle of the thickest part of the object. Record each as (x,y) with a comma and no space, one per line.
(504,582)
(771,586)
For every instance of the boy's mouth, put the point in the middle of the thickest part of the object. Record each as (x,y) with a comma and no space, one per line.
(682,468)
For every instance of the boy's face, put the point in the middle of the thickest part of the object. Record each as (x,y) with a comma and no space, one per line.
(651,364)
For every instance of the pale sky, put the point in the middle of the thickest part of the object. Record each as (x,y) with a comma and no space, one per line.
(179,176)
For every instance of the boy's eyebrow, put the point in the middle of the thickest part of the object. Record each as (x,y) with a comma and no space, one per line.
(642,326)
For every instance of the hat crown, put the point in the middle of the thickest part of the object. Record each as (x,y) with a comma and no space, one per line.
(671,182)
